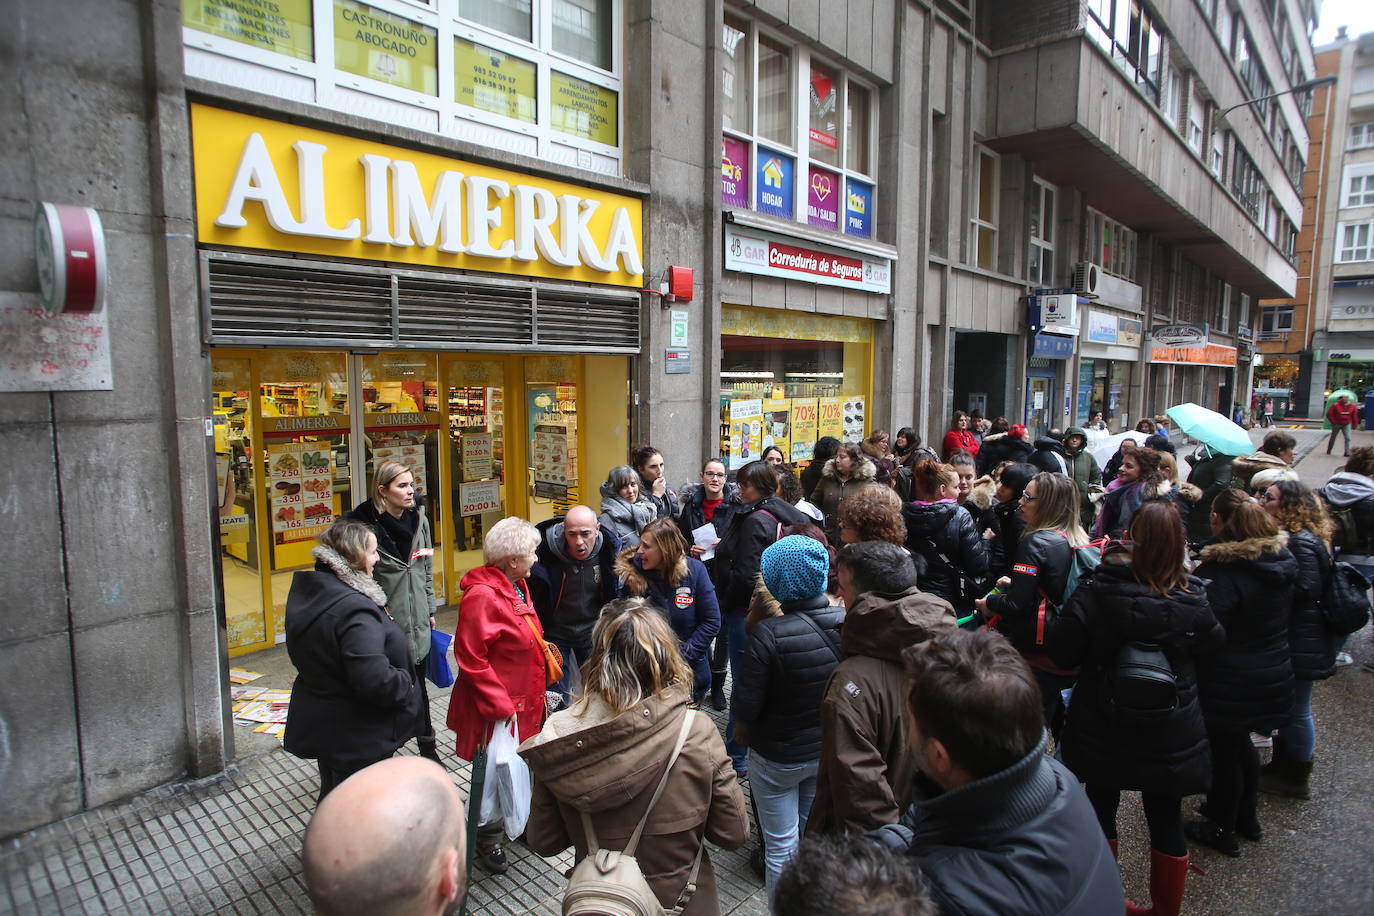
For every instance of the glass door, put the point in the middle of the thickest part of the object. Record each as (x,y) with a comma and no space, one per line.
(237,500)
(1039,397)
(551,410)
(401,422)
(477,494)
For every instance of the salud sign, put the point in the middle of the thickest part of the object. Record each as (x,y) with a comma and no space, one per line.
(282,187)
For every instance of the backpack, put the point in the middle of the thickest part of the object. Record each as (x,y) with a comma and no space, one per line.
(608,881)
(1345,536)
(1086,558)
(1140,683)
(1344,602)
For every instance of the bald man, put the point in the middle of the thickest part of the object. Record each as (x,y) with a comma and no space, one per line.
(572,580)
(389,841)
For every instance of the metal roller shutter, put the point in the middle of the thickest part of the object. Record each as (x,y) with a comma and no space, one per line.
(254,300)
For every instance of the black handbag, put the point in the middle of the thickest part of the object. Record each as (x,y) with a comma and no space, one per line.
(1141,683)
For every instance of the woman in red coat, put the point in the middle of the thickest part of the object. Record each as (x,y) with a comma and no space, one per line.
(500,660)
(960,436)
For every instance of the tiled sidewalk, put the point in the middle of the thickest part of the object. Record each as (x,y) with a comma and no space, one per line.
(231,844)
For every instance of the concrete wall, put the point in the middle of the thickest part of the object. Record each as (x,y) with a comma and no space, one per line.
(109,638)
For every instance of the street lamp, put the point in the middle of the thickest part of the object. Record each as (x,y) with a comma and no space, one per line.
(1219,119)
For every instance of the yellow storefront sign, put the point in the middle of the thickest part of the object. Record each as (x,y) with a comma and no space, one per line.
(830,417)
(281,187)
(803,428)
(494,81)
(281,26)
(375,44)
(583,109)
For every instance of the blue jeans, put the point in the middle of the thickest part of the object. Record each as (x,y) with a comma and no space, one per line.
(783,793)
(739,641)
(1344,430)
(574,654)
(1297,739)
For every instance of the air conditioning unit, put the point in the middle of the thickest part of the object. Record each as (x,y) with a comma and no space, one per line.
(1087,278)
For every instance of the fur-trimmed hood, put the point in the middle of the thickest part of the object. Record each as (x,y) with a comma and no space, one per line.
(1189,493)
(1247,466)
(865,472)
(353,578)
(1248,549)
(984,492)
(633,577)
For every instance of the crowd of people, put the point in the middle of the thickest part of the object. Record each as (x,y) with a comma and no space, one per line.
(941,671)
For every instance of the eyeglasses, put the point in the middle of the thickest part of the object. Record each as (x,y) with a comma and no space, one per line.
(712,474)
(1025,498)
(1264,496)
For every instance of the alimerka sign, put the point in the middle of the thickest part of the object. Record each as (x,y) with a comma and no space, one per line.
(280,187)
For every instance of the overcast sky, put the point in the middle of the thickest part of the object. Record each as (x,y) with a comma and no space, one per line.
(1357,14)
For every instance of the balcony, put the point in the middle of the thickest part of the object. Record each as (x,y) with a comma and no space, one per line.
(1068,110)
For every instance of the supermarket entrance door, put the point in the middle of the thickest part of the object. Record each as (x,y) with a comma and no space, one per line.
(299,432)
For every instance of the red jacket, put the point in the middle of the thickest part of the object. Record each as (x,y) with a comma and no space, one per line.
(500,666)
(957,439)
(1343,416)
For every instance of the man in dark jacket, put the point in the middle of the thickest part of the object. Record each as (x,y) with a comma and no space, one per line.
(1211,474)
(1002,443)
(1049,455)
(572,579)
(1349,495)
(995,825)
(866,768)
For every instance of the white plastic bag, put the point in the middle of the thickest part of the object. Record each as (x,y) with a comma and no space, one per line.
(506,793)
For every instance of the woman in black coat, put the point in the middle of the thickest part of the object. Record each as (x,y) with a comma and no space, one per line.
(1140,594)
(1044,557)
(754,525)
(944,536)
(356,698)
(1247,684)
(825,449)
(1312,645)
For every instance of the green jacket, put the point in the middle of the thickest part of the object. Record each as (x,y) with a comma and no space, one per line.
(406,574)
(1082,466)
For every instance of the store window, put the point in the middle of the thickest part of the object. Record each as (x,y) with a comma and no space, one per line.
(1353,244)
(986,190)
(789,378)
(535,77)
(1042,217)
(1111,246)
(797,151)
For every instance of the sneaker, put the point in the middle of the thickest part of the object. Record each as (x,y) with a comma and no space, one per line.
(493,860)
(1343,659)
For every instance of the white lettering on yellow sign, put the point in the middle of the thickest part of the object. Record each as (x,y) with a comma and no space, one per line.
(398,211)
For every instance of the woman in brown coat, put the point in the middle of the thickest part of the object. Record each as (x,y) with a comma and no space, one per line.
(608,751)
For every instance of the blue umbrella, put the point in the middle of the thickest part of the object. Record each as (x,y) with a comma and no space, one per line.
(1210,428)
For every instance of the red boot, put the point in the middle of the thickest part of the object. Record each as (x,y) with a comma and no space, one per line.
(1167,874)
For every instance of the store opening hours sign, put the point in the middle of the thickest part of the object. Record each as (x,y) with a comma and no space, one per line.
(476,498)
(760,253)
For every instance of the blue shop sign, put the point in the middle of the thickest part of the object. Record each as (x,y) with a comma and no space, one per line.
(1052,346)
(858,209)
(776,183)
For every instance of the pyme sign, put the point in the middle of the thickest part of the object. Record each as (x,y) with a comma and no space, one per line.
(279,187)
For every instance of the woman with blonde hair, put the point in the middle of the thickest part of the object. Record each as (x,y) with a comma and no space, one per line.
(940,532)
(405,567)
(598,763)
(499,648)
(1246,685)
(1044,557)
(680,587)
(1312,645)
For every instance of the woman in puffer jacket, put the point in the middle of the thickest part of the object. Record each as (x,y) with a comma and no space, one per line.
(1246,685)
(1044,556)
(843,476)
(1311,643)
(1140,594)
(621,509)
(943,535)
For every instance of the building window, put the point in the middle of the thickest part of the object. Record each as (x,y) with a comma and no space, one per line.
(1111,246)
(797,150)
(1353,243)
(1276,320)
(1361,135)
(1225,315)
(538,78)
(1040,265)
(1359,189)
(1128,32)
(1197,119)
(986,186)
(1246,183)
(1218,162)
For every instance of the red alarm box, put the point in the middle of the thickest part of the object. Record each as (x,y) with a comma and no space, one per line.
(680,283)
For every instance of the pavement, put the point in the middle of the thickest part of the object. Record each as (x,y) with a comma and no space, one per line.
(231,843)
